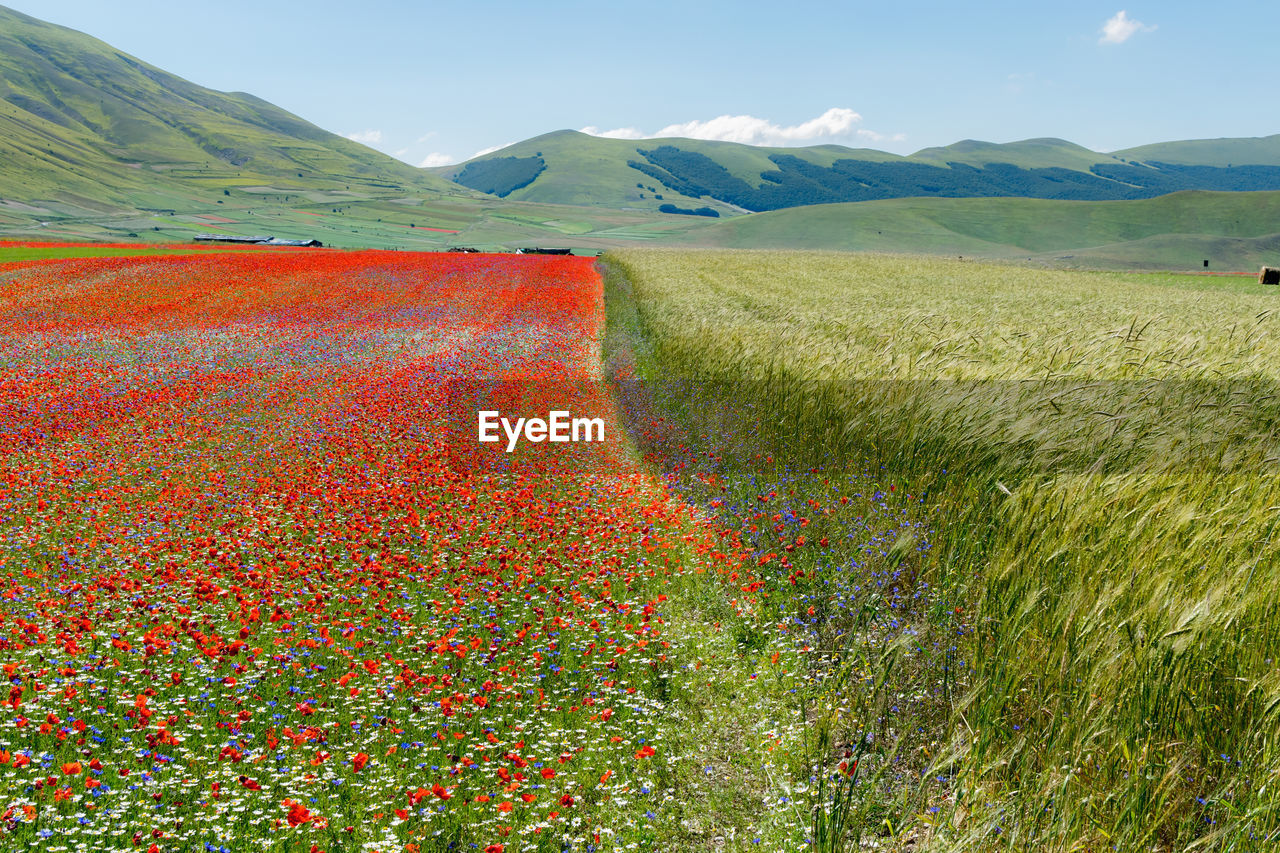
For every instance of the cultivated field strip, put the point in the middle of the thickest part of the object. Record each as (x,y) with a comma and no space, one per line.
(263,590)
(1098,453)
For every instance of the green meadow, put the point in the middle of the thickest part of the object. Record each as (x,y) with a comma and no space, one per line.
(1233,231)
(16,253)
(1085,655)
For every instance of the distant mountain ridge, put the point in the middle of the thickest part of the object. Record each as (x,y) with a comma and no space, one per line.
(646,173)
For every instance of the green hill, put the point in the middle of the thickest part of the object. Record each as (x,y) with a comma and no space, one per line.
(589,170)
(86,125)
(568,167)
(1264,150)
(97,145)
(1027,154)
(1231,230)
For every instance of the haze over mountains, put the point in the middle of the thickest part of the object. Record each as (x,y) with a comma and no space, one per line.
(97,144)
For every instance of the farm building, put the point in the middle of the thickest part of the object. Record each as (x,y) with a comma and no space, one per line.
(229,238)
(260,240)
(277,241)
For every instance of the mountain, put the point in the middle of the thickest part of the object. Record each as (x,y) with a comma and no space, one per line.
(85,125)
(568,167)
(97,145)
(1027,154)
(1232,230)
(573,168)
(1263,150)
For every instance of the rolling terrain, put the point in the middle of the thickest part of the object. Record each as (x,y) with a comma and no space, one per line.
(593,171)
(1210,152)
(574,168)
(100,146)
(1232,231)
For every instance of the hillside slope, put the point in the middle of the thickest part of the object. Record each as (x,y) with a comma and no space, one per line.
(591,170)
(1231,230)
(84,124)
(1264,150)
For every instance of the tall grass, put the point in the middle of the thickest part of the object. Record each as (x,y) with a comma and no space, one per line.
(1099,453)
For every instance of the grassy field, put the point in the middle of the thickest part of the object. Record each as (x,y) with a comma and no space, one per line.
(16,252)
(1078,649)
(1231,230)
(421,222)
(1234,231)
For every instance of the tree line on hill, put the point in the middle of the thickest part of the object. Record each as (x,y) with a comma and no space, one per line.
(501,176)
(697,211)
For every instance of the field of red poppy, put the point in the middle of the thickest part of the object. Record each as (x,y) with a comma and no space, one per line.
(254,600)
(263,589)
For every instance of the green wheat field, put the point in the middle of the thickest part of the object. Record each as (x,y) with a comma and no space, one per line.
(1084,656)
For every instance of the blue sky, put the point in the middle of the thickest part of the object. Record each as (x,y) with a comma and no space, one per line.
(433,83)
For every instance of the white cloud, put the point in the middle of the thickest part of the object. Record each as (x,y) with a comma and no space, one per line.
(1119,28)
(616,133)
(484,151)
(449,160)
(366,137)
(835,122)
(872,136)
